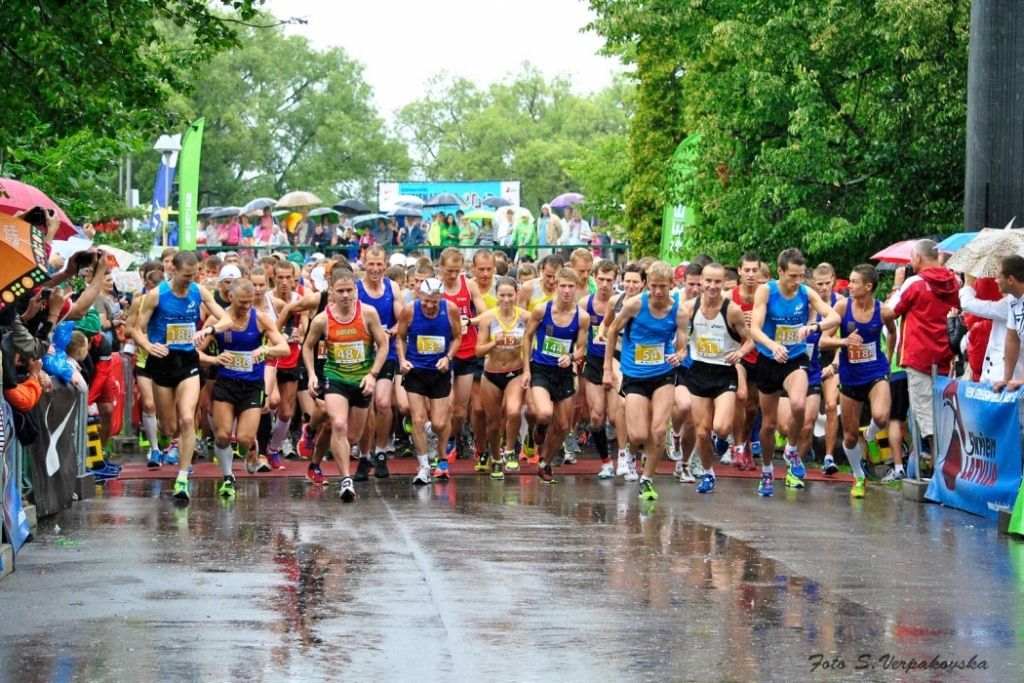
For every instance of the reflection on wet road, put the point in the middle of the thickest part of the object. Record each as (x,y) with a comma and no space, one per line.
(510,581)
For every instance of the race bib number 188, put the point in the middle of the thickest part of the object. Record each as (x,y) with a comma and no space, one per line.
(180,333)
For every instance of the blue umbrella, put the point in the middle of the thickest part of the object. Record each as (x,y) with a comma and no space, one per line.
(956,242)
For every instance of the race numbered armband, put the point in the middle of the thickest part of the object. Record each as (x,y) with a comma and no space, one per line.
(348,353)
(649,354)
(787,335)
(465,323)
(180,333)
(553,346)
(429,344)
(321,350)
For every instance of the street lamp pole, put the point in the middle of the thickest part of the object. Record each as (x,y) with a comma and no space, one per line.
(168,146)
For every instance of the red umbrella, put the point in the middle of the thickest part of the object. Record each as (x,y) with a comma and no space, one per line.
(896,253)
(17,196)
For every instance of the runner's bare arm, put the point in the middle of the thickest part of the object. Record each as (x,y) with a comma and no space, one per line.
(396,305)
(581,336)
(316,330)
(484,343)
(829,318)
(404,320)
(739,323)
(832,340)
(528,338)
(479,305)
(682,342)
(757,315)
(629,310)
(380,338)
(524,295)
(278,346)
(211,304)
(456,323)
(145,313)
(890,336)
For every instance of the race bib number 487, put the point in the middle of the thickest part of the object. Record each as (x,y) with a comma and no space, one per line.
(348,353)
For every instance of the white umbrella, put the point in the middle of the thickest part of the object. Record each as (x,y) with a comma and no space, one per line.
(71,246)
(981,256)
(294,200)
(517,211)
(257,205)
(124,259)
(409,201)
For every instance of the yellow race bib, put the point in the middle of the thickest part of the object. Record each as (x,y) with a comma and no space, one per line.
(348,353)
(710,346)
(787,335)
(429,344)
(180,333)
(240,360)
(649,354)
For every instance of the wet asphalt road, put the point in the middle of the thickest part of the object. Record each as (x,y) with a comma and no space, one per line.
(516,581)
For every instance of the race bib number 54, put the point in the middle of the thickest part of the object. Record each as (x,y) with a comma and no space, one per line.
(649,354)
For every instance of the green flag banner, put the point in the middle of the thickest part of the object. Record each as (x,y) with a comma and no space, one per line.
(1017,519)
(188,184)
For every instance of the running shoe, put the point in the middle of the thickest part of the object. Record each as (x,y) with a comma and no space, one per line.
(483,463)
(675,452)
(796,465)
(767,485)
(262,464)
(828,466)
(306,443)
(275,460)
(288,449)
(451,452)
(171,455)
(696,469)
(755,448)
(497,473)
(431,442)
(422,477)
(622,465)
(685,475)
(227,487)
(407,425)
(726,458)
(441,472)
(316,475)
(180,490)
(545,474)
(631,475)
(707,483)
(111,465)
(894,475)
(154,459)
(874,451)
(607,471)
(511,462)
(103,474)
(647,491)
(793,481)
(348,490)
(570,458)
(363,469)
(858,488)
(380,466)
(571,443)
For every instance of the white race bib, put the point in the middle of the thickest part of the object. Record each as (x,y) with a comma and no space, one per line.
(429,344)
(180,333)
(649,354)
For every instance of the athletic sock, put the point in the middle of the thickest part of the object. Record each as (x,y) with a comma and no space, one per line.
(719,444)
(710,470)
(770,469)
(224,456)
(539,433)
(149,429)
(600,442)
(853,455)
(899,468)
(182,475)
(872,431)
(277,435)
(644,478)
(423,461)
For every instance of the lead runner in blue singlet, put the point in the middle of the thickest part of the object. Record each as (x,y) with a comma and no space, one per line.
(167,332)
(779,327)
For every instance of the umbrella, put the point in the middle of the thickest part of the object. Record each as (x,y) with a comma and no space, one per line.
(68,247)
(567,199)
(226,212)
(408,200)
(368,218)
(22,259)
(496,202)
(352,206)
(279,213)
(322,211)
(445,199)
(479,214)
(896,253)
(208,211)
(405,211)
(956,242)
(257,205)
(294,200)
(16,196)
(981,256)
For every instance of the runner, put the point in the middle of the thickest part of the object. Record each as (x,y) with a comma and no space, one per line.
(239,392)
(559,329)
(824,283)
(429,334)
(285,375)
(351,330)
(582,261)
(863,367)
(500,343)
(602,402)
(718,339)
(384,296)
(684,431)
(152,276)
(652,326)
(464,295)
(782,310)
(746,396)
(166,331)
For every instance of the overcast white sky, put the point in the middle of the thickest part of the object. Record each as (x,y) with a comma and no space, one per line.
(402,43)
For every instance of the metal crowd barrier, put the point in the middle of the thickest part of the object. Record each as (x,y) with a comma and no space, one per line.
(613,251)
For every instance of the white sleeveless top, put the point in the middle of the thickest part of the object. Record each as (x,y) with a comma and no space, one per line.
(711,339)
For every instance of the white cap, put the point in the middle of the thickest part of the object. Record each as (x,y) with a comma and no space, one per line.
(318,257)
(230,272)
(431,286)
(319,277)
(398,260)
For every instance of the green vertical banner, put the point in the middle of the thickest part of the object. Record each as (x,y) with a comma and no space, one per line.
(188,184)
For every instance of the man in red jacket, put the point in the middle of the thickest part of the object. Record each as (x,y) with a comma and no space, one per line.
(923,302)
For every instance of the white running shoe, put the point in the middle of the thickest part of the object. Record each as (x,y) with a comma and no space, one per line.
(684,475)
(696,469)
(631,475)
(607,472)
(431,442)
(622,465)
(726,458)
(675,449)
(422,476)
